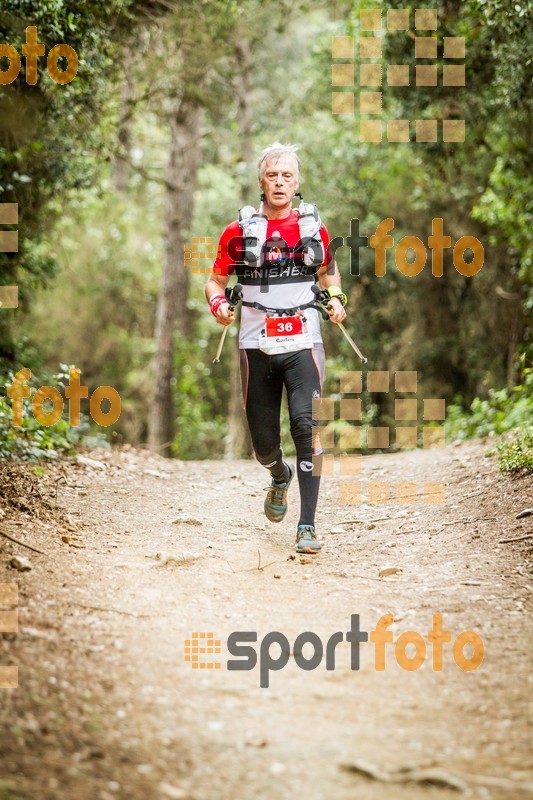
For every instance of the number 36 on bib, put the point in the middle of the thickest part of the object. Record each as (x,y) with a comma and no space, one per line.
(284,335)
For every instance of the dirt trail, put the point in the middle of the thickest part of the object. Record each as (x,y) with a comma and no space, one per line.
(107,707)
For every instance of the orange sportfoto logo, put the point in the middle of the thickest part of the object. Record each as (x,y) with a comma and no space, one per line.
(32,51)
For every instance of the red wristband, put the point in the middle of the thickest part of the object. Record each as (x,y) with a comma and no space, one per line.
(215,302)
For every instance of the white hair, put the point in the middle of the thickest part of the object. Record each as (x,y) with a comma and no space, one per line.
(277,151)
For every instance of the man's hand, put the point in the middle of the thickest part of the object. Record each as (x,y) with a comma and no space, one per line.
(337,312)
(224,316)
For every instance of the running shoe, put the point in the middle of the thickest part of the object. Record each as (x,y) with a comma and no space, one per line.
(276,499)
(306,540)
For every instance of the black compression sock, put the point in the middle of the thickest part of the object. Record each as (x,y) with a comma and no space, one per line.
(280,471)
(309,487)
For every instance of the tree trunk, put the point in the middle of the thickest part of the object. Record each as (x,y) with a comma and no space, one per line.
(238,442)
(120,167)
(244,114)
(171,307)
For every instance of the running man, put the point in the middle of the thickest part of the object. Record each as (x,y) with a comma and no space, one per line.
(277,254)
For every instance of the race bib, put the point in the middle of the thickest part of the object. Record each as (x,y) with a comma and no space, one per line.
(285,334)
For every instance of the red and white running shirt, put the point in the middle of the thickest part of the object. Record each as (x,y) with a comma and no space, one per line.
(283,280)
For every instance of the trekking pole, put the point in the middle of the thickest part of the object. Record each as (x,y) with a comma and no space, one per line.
(233,296)
(320,295)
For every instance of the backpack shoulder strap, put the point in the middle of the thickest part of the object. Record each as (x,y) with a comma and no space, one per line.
(310,225)
(254,231)
(308,209)
(245,214)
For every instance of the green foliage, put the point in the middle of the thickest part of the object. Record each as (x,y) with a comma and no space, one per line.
(33,441)
(507,208)
(89,284)
(50,134)
(517,455)
(110,254)
(500,412)
(201,394)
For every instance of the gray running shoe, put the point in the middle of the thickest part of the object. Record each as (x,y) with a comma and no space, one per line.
(276,499)
(306,540)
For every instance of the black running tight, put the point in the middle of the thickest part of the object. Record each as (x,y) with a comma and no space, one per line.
(263,378)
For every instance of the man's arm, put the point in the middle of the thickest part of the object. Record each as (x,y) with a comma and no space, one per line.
(223,267)
(331,277)
(215,287)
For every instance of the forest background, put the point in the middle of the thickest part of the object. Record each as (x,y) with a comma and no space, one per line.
(156,141)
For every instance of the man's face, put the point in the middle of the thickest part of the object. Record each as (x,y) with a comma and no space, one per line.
(280,181)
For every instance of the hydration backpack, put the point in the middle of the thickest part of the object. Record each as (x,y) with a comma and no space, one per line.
(254,231)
